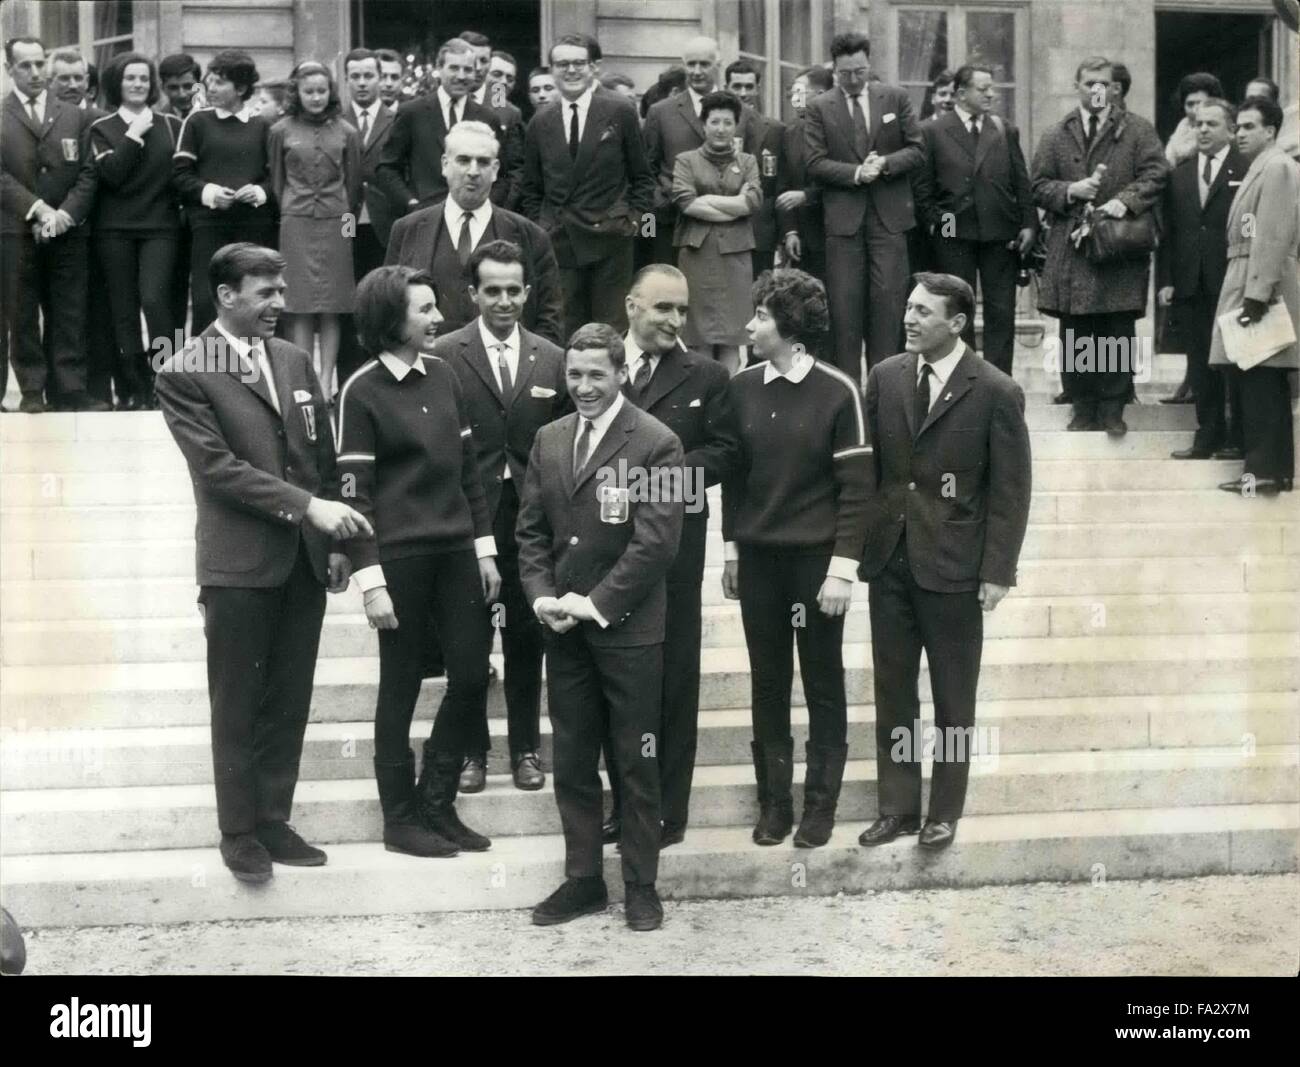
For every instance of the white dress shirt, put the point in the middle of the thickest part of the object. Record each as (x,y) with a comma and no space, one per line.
(492,345)
(479,218)
(966,116)
(254,353)
(696,100)
(941,370)
(635,354)
(1216,161)
(26,100)
(584,106)
(371,113)
(445,102)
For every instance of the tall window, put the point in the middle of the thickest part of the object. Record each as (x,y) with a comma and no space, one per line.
(931,39)
(782,38)
(98,29)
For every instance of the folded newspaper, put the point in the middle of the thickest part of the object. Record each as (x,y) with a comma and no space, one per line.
(1248,346)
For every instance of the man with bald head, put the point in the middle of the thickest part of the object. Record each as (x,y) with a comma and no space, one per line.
(687,392)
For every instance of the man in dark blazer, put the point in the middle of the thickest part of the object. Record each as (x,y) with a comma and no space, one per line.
(248,415)
(410,165)
(492,92)
(976,203)
(436,240)
(513,384)
(588,185)
(862,141)
(798,201)
(687,392)
(1193,262)
(764,139)
(598,531)
(946,519)
(47,187)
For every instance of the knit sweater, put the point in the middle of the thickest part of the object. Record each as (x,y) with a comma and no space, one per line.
(222,151)
(135,191)
(408,463)
(804,476)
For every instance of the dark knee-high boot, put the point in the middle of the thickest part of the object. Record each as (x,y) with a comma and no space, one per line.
(404,830)
(437,792)
(774,770)
(821,793)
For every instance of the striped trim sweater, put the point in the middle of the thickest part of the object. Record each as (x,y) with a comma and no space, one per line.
(135,191)
(804,476)
(222,151)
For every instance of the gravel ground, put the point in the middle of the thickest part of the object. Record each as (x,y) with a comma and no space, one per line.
(1232,925)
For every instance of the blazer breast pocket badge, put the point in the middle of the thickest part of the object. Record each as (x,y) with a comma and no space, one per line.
(309,419)
(70,149)
(615,504)
(541,392)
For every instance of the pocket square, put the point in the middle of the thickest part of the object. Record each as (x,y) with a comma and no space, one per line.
(541,392)
(301,396)
(607,133)
(694,403)
(888,118)
(1231,184)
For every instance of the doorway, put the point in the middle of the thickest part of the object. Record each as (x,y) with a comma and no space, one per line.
(1234,48)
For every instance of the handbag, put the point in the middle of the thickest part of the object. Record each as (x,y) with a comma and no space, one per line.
(1117,240)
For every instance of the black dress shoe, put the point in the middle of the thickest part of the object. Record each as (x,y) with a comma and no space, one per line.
(888,827)
(937,835)
(1114,425)
(1229,452)
(1061,398)
(641,907)
(246,857)
(285,846)
(32,405)
(575,898)
(671,834)
(527,768)
(1193,453)
(473,774)
(130,403)
(1258,486)
(611,830)
(84,402)
(1082,423)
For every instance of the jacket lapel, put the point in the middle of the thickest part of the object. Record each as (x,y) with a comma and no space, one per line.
(610,445)
(1227,171)
(591,133)
(527,363)
(957,386)
(15,107)
(874,120)
(989,133)
(250,376)
(841,106)
(476,356)
(383,119)
(909,392)
(952,126)
(687,109)
(1253,172)
(674,368)
(427,239)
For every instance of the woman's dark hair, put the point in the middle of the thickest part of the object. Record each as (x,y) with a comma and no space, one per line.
(1269,113)
(797,303)
(1200,82)
(116,69)
(958,297)
(497,252)
(305,69)
(234,262)
(381,306)
(237,68)
(720,100)
(1120,76)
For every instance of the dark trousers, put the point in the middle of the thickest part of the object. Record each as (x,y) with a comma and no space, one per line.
(595,292)
(762,259)
(658,247)
(996,265)
(1091,389)
(181,276)
(138,274)
(367,254)
(1266,437)
(204,242)
(104,367)
(49,281)
(446,584)
(950,627)
(597,691)
(866,286)
(1210,385)
(521,638)
(261,662)
(778,594)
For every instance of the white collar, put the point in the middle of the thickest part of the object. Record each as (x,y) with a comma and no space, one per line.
(243,114)
(943,368)
(445,101)
(861,92)
(25,100)
(491,340)
(583,101)
(601,422)
(399,367)
(481,214)
(480,94)
(799,370)
(1218,156)
(966,116)
(126,116)
(696,99)
(1102,116)
(241,346)
(370,111)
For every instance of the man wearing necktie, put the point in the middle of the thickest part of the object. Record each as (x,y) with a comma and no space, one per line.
(863,140)
(588,185)
(949,508)
(594,552)
(512,384)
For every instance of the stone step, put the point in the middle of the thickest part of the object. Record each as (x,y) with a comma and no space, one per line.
(190,885)
(182,755)
(39,822)
(160,640)
(175,693)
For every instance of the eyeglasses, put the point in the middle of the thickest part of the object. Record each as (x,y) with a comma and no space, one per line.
(571,64)
(852,72)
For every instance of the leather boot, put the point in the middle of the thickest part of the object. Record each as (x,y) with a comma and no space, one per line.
(437,796)
(776,808)
(403,829)
(821,793)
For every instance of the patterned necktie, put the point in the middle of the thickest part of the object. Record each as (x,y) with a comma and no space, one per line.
(507,385)
(465,242)
(583,452)
(573,131)
(642,377)
(922,408)
(861,139)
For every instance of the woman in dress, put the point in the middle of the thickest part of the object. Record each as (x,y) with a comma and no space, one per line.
(405,448)
(136,225)
(316,177)
(716,189)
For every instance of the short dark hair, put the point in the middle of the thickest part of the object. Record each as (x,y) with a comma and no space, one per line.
(237,68)
(387,55)
(944,77)
(573,40)
(1120,76)
(66,55)
(497,252)
(305,69)
(1270,114)
(381,304)
(1229,112)
(611,80)
(538,72)
(1273,90)
(454,45)
(498,54)
(965,74)
(847,44)
(741,66)
(597,335)
(818,78)
(593,47)
(92,79)
(1093,63)
(359,55)
(796,301)
(1199,82)
(232,263)
(178,64)
(720,100)
(9,45)
(117,68)
(473,37)
(958,297)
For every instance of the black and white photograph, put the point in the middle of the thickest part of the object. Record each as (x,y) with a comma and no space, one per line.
(592,488)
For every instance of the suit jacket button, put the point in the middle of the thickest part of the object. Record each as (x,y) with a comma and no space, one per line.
(573,540)
(912,486)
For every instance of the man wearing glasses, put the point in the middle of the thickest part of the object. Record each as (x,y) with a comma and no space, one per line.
(862,140)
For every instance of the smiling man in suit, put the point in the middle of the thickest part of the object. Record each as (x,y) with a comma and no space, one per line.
(441,239)
(862,142)
(513,384)
(946,519)
(593,555)
(248,415)
(587,183)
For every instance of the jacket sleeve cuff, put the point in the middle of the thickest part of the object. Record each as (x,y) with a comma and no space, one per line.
(842,567)
(369,578)
(730,551)
(485,547)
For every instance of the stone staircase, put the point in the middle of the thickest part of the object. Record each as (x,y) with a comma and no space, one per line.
(1142,680)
